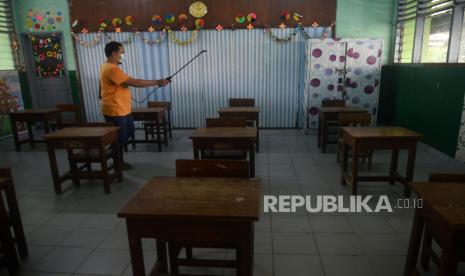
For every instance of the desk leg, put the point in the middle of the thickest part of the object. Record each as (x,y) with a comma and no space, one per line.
(393,167)
(165,135)
(449,257)
(252,159)
(30,133)
(245,256)
(414,245)
(46,126)
(8,244)
(344,162)
(137,257)
(196,151)
(14,129)
(324,134)
(73,168)
(104,170)
(169,125)
(355,160)
(410,168)
(258,134)
(117,160)
(319,131)
(158,135)
(54,167)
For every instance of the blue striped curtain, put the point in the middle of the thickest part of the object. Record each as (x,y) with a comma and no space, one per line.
(239,63)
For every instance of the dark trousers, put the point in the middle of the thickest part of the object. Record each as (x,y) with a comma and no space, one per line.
(127,129)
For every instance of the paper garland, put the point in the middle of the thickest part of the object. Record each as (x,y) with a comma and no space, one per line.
(190,40)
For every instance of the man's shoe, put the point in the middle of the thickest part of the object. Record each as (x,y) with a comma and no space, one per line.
(126,167)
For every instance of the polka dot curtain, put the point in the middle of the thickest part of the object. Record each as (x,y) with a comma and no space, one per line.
(361,58)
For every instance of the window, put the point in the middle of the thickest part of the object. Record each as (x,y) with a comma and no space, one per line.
(7,61)
(436,34)
(404,41)
(462,41)
(430,31)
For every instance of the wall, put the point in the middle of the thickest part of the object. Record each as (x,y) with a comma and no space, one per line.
(427,98)
(20,13)
(367,18)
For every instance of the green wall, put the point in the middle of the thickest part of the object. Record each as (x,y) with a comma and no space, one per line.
(427,98)
(367,19)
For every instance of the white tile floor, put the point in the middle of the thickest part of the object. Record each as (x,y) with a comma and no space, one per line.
(78,233)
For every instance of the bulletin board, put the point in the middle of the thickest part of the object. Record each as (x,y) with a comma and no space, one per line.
(48,56)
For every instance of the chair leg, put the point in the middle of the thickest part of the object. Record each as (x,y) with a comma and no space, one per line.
(146,134)
(425,251)
(370,159)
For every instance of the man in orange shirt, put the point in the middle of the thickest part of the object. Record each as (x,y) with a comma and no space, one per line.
(115,93)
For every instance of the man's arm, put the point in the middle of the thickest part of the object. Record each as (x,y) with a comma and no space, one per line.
(145,83)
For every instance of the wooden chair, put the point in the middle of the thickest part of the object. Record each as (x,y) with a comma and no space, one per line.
(10,218)
(355,120)
(241,102)
(205,168)
(225,154)
(149,127)
(331,124)
(333,103)
(83,158)
(427,251)
(68,111)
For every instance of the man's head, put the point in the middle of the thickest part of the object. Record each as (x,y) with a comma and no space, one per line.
(114,51)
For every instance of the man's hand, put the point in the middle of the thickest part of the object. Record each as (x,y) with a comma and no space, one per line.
(163,82)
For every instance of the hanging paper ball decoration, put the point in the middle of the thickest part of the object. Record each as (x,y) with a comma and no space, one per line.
(129,20)
(170,18)
(182,17)
(104,23)
(251,17)
(157,19)
(285,16)
(199,23)
(297,17)
(240,18)
(75,24)
(116,22)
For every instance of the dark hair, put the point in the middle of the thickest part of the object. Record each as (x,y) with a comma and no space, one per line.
(112,47)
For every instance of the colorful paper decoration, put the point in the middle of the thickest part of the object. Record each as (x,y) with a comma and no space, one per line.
(88,44)
(118,30)
(251,17)
(129,20)
(219,28)
(157,19)
(190,40)
(199,23)
(152,42)
(282,26)
(182,17)
(116,22)
(198,9)
(151,29)
(250,27)
(48,56)
(104,23)
(240,18)
(315,25)
(183,29)
(43,20)
(169,18)
(297,17)
(285,16)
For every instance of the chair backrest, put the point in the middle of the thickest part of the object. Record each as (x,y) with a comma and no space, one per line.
(74,109)
(95,124)
(212,168)
(159,104)
(241,102)
(333,103)
(227,122)
(354,119)
(447,177)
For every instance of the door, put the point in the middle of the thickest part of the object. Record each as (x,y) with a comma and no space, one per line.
(47,75)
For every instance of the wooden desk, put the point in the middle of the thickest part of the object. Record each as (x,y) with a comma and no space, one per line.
(444,212)
(370,138)
(331,114)
(153,114)
(190,210)
(251,113)
(226,138)
(29,116)
(85,138)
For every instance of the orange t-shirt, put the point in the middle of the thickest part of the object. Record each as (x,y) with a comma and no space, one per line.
(116,98)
